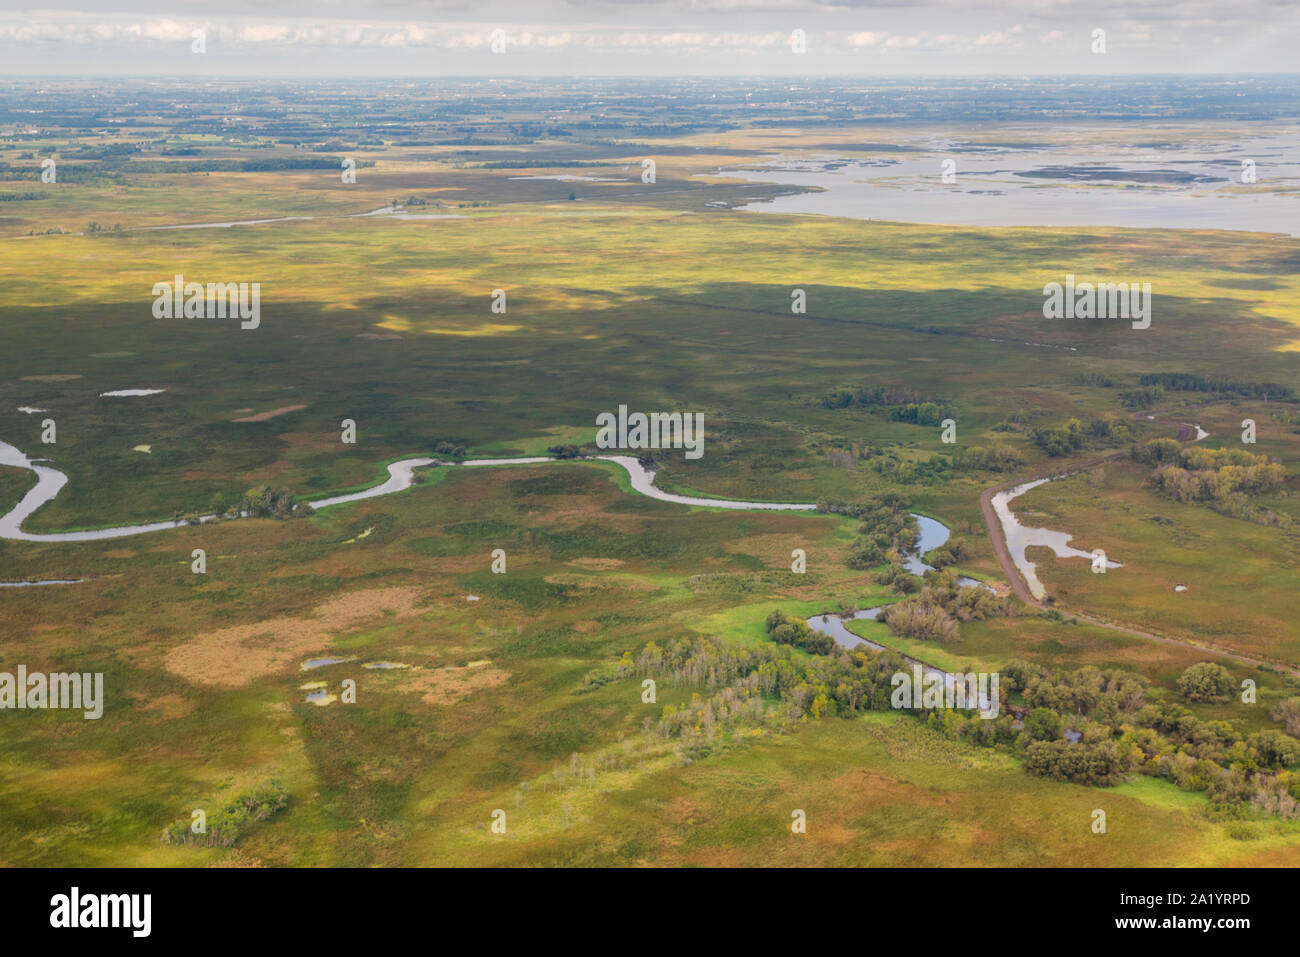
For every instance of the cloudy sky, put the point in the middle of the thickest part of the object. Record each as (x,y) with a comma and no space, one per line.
(648,37)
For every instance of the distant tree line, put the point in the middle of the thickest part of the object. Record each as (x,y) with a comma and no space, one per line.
(1143,398)
(898,404)
(1190,382)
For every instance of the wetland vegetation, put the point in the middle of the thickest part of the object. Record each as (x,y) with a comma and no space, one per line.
(528,698)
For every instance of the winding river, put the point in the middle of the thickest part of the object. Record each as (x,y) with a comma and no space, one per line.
(933,534)
(401,475)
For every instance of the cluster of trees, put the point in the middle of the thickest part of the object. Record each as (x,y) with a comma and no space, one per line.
(1143,398)
(844,683)
(953,552)
(227,825)
(739,705)
(564,451)
(867,395)
(903,471)
(263,501)
(1061,440)
(921,413)
(1073,435)
(1190,382)
(1199,474)
(1108,694)
(1215,474)
(933,613)
(787,630)
(887,527)
(1101,764)
(1095,379)
(1109,429)
(901,405)
(1118,729)
(453,450)
(1122,731)
(992,458)
(921,617)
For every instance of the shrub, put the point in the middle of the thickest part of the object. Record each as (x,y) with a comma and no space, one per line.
(1288,712)
(1205,681)
(1043,724)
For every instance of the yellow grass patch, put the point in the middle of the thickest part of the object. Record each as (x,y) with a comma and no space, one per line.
(236,656)
(484,329)
(57,377)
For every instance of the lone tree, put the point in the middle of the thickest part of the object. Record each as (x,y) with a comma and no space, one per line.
(1205,681)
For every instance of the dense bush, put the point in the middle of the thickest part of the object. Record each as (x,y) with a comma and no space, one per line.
(1205,681)
(224,827)
(993,458)
(266,502)
(1100,764)
(786,630)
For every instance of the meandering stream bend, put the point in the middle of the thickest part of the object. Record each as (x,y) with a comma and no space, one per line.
(401,475)
(933,535)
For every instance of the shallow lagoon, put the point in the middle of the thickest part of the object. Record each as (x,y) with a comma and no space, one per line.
(1073,178)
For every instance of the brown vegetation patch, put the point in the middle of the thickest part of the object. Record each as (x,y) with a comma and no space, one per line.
(263,416)
(56,377)
(571,519)
(598,564)
(772,549)
(167,707)
(237,858)
(451,684)
(235,656)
